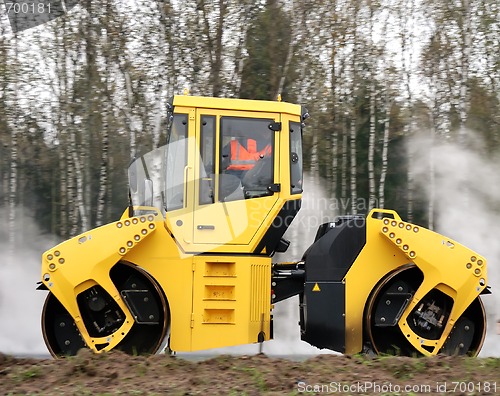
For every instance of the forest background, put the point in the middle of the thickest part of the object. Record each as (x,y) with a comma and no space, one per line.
(403,94)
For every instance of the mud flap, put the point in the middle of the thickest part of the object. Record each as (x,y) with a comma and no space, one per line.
(324,317)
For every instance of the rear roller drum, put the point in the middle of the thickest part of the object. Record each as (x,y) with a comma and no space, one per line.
(388,302)
(102,316)
(59,330)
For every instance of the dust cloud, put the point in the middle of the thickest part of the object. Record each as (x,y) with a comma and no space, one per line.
(466,190)
(20,303)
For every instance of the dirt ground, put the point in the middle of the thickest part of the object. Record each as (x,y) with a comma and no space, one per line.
(118,374)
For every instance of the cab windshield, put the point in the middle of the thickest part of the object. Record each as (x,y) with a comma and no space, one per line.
(145,181)
(156,179)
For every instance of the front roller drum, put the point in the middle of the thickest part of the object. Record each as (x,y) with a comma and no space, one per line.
(390,298)
(102,316)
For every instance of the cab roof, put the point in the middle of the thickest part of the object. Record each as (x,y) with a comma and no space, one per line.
(236,104)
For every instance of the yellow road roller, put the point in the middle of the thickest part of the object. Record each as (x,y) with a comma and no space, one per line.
(189,267)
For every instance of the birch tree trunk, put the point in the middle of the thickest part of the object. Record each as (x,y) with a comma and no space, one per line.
(103,169)
(214,42)
(13,158)
(353,164)
(246,11)
(5,133)
(432,172)
(335,152)
(333,92)
(372,197)
(386,102)
(63,178)
(385,149)
(294,23)
(343,177)
(353,131)
(131,119)
(489,12)
(79,220)
(103,172)
(405,13)
(167,18)
(466,46)
(166,69)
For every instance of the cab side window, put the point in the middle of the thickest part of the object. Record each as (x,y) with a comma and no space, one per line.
(207,164)
(246,161)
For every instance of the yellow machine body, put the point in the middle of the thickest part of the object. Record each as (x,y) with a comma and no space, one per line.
(393,244)
(189,263)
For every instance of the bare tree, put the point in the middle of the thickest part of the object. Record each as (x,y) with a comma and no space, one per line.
(406,14)
(13,171)
(373,54)
(385,148)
